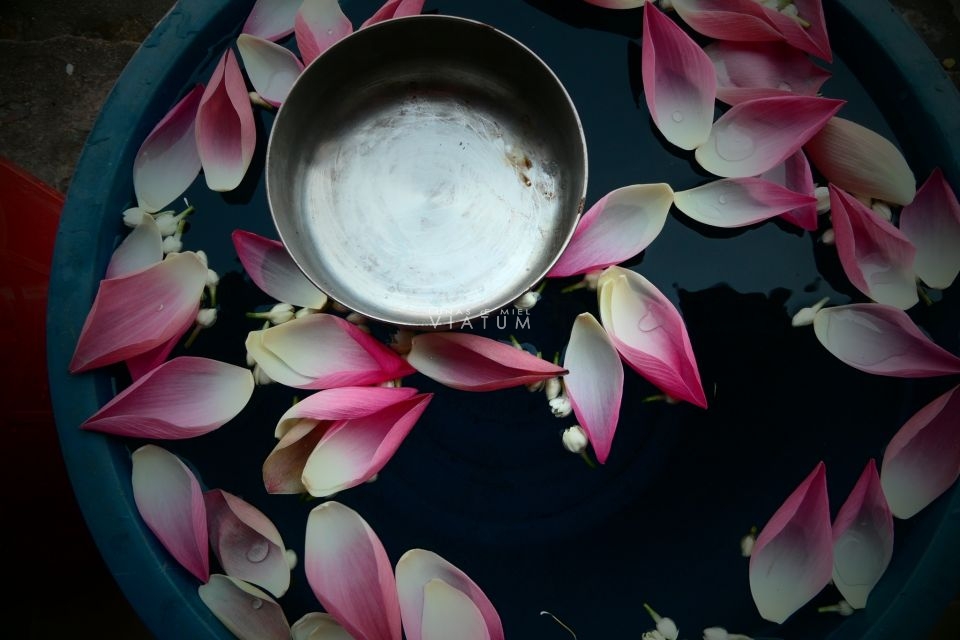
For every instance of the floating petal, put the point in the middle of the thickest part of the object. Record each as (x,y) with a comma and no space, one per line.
(619,226)
(394,9)
(473,363)
(142,364)
(319,626)
(182,398)
(271,19)
(319,24)
(248,612)
(738,202)
(225,130)
(792,559)
(417,569)
(794,174)
(649,333)
(862,162)
(751,70)
(320,351)
(137,312)
(595,382)
(167,161)
(246,543)
(272,269)
(349,572)
(446,608)
(272,69)
(353,451)
(923,458)
(932,223)
(755,136)
(142,248)
(679,82)
(810,37)
(862,539)
(882,340)
(283,468)
(876,256)
(170,501)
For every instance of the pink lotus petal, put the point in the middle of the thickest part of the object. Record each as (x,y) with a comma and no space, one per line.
(142,364)
(272,269)
(862,539)
(862,162)
(167,161)
(320,351)
(932,224)
(811,38)
(246,543)
(272,69)
(142,248)
(923,458)
(248,612)
(169,500)
(473,363)
(446,608)
(617,4)
(135,313)
(755,136)
(418,568)
(319,24)
(271,19)
(353,451)
(794,174)
(619,226)
(679,82)
(283,468)
(738,202)
(225,130)
(349,572)
(319,626)
(182,398)
(882,340)
(876,256)
(595,382)
(649,333)
(792,559)
(750,70)
(394,9)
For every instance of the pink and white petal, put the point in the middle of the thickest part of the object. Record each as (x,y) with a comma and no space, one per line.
(755,136)
(167,161)
(748,70)
(738,202)
(792,559)
(225,131)
(345,403)
(318,25)
(246,543)
(794,173)
(353,451)
(875,255)
(649,333)
(182,398)
(142,248)
(862,162)
(272,269)
(595,382)
(394,9)
(142,364)
(862,539)
(350,573)
(812,37)
(737,20)
(248,612)
(922,459)
(473,363)
(135,313)
(319,626)
(272,69)
(275,368)
(932,224)
(619,226)
(271,19)
(170,502)
(446,608)
(328,352)
(679,81)
(283,468)
(881,340)
(617,4)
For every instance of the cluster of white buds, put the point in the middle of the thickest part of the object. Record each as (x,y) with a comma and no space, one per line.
(666,628)
(719,633)
(170,224)
(278,314)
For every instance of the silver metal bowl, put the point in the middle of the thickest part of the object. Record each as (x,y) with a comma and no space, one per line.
(425,170)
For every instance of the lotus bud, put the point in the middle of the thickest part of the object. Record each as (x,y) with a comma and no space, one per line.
(206,318)
(528,300)
(822,195)
(574,439)
(133,216)
(561,406)
(805,316)
(552,387)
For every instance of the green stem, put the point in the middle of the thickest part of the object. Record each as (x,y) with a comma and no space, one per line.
(213,296)
(922,292)
(540,289)
(586,458)
(653,614)
(559,622)
(193,336)
(574,287)
(515,342)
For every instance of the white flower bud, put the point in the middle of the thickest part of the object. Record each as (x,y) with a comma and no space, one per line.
(592,279)
(822,195)
(202,257)
(527,301)
(790,10)
(574,439)
(882,209)
(167,222)
(561,406)
(172,244)
(828,237)
(652,635)
(746,545)
(280,313)
(668,628)
(260,376)
(291,557)
(715,633)
(305,311)
(206,318)
(373,478)
(133,216)
(805,316)
(212,278)
(552,388)
(844,608)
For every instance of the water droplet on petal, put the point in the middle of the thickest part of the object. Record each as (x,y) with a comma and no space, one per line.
(722,199)
(734,143)
(258,551)
(256,603)
(159,307)
(329,32)
(676,116)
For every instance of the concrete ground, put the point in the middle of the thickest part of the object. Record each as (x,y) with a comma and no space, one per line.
(59,59)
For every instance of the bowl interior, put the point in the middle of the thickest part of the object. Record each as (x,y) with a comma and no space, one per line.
(426,170)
